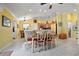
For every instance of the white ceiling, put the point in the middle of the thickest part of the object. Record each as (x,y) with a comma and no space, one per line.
(37,10)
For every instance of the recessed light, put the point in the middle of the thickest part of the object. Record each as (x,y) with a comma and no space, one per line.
(50,3)
(75,9)
(40,10)
(30,10)
(45,11)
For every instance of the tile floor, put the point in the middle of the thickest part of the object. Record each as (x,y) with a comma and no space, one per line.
(67,47)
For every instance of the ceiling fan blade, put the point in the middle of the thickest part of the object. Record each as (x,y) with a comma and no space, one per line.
(42,3)
(50,6)
(60,3)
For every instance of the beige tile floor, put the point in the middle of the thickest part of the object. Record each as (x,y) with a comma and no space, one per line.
(67,47)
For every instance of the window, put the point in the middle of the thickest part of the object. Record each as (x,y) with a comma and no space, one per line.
(26,26)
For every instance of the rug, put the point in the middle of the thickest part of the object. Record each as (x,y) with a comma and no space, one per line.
(6,53)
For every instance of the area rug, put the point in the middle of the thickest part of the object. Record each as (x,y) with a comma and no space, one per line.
(6,53)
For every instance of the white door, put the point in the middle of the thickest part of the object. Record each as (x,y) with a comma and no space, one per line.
(69,29)
(14,28)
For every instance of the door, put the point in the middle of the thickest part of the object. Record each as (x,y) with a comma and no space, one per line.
(69,29)
(69,32)
(14,27)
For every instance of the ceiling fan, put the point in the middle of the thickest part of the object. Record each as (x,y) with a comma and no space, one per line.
(50,6)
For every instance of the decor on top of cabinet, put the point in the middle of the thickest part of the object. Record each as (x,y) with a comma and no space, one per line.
(44,26)
(47,25)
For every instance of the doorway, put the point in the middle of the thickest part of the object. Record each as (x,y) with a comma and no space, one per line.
(69,29)
(14,27)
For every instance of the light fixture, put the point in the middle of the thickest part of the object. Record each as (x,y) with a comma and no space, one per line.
(75,9)
(40,10)
(50,3)
(30,10)
(45,11)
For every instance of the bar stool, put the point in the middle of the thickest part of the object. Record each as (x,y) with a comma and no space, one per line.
(48,41)
(34,41)
(53,41)
(41,41)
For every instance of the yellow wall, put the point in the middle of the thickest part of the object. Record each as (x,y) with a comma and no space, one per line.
(72,17)
(30,22)
(5,32)
(61,17)
(17,30)
(65,18)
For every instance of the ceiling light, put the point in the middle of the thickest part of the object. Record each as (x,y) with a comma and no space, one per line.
(75,9)
(30,10)
(40,10)
(45,11)
(50,3)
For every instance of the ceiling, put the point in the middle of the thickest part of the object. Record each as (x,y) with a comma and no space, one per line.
(31,10)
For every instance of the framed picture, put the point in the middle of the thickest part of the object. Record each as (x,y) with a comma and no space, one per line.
(6,21)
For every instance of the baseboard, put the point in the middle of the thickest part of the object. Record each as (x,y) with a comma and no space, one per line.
(1,49)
